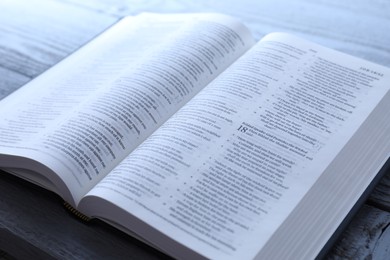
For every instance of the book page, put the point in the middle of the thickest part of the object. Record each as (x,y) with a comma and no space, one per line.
(86,114)
(223,174)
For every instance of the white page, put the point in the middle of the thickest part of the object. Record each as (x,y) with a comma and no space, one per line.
(228,168)
(86,114)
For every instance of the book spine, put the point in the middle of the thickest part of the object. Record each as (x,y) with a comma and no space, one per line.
(76,213)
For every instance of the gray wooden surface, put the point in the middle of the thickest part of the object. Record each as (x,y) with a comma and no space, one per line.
(35,35)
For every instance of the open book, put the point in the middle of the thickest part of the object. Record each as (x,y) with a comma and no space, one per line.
(181,130)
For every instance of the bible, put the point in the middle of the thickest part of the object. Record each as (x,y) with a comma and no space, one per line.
(182,131)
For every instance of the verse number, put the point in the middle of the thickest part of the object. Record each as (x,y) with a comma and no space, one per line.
(242,129)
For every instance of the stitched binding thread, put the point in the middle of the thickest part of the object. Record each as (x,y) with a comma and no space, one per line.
(76,212)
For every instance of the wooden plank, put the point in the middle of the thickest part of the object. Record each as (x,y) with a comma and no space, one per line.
(367,236)
(380,197)
(355,27)
(10,81)
(33,219)
(34,35)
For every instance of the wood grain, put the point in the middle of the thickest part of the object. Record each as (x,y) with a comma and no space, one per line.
(34,35)
(10,81)
(367,237)
(354,27)
(37,34)
(33,219)
(380,197)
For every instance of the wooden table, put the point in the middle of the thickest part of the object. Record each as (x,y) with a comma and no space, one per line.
(35,35)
